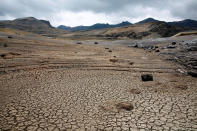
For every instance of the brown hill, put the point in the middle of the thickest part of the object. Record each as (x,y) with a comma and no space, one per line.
(140,31)
(31,24)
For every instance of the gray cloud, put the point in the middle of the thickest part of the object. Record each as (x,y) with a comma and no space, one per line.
(109,10)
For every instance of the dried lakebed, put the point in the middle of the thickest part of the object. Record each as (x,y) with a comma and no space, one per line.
(88,91)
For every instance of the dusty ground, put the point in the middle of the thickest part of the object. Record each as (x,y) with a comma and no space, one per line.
(48,84)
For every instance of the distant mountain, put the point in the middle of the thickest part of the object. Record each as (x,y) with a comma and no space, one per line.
(94,27)
(29,24)
(147,21)
(146,28)
(185,23)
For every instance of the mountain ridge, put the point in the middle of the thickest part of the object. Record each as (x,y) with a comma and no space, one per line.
(95,26)
(185,23)
(188,23)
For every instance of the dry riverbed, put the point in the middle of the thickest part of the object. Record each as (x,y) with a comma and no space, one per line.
(48,84)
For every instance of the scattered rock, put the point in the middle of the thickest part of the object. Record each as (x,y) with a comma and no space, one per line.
(131,63)
(10,37)
(9,55)
(171,47)
(3,55)
(182,87)
(125,106)
(113,60)
(192,73)
(157,50)
(5,45)
(192,48)
(182,71)
(173,43)
(147,77)
(192,62)
(151,48)
(134,91)
(135,45)
(13,53)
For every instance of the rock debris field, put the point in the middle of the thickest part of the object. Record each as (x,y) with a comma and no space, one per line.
(55,85)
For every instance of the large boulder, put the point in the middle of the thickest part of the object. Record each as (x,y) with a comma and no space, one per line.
(147,77)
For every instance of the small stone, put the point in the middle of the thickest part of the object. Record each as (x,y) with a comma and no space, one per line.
(182,87)
(192,48)
(131,63)
(171,46)
(113,60)
(135,91)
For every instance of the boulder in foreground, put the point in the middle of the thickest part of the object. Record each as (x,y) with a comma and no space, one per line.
(147,77)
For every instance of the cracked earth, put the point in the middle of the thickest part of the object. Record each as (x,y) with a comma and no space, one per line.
(59,86)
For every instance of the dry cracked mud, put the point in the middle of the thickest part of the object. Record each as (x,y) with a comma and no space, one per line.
(59,85)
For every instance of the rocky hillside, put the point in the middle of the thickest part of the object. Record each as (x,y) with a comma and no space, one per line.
(30,24)
(147,30)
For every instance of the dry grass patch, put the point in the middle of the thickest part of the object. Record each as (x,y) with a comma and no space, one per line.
(186,33)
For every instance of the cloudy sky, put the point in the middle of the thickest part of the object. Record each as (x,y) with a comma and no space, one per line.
(88,12)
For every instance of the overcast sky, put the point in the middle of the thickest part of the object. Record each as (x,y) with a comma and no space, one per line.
(88,12)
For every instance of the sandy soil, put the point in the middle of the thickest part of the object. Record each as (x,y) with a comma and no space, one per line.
(50,84)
